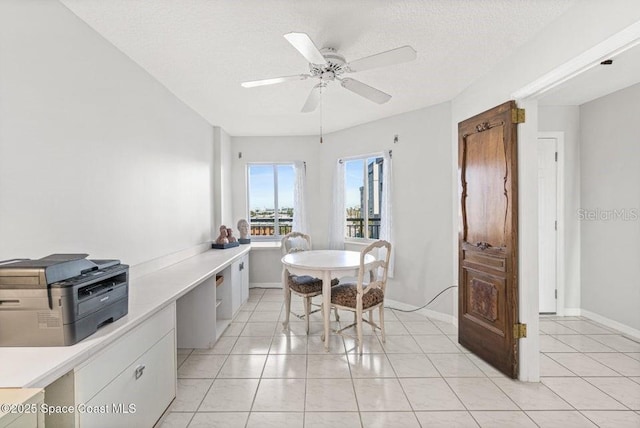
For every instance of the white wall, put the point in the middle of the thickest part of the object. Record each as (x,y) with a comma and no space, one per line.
(422,202)
(95,155)
(610,177)
(566,119)
(222,161)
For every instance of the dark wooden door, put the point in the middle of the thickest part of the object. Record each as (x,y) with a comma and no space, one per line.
(488,238)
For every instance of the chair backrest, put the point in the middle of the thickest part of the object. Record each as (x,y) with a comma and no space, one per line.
(295,241)
(377,270)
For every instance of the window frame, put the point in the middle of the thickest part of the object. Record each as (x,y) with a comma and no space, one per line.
(276,237)
(365,157)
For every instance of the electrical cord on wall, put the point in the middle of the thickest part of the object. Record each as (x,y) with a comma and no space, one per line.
(425,305)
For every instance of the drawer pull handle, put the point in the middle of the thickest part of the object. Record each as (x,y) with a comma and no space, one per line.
(139,371)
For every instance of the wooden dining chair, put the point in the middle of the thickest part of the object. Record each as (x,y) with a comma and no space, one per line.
(364,296)
(304,286)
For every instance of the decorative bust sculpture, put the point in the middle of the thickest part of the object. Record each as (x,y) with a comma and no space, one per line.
(230,236)
(243,228)
(222,238)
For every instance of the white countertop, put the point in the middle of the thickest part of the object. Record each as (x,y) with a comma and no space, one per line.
(40,366)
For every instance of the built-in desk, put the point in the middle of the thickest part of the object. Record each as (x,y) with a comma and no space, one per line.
(139,350)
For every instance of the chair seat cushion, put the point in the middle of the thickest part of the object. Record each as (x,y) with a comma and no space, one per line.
(345,295)
(306,284)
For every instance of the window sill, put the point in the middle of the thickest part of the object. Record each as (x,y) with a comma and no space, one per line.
(265,245)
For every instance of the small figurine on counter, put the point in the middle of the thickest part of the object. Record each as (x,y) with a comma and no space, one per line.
(222,238)
(243,228)
(230,236)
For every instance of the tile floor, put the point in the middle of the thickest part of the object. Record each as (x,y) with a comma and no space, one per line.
(259,376)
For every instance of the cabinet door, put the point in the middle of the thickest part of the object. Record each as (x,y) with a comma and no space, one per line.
(140,394)
(245,278)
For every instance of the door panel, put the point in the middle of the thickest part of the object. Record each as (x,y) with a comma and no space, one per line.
(488,242)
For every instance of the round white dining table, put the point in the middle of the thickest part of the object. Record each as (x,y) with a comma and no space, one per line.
(323,264)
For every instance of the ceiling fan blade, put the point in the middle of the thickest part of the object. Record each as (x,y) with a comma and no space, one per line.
(366,91)
(383,59)
(312,100)
(274,80)
(303,43)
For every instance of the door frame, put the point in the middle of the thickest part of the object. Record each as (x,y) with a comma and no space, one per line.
(527,98)
(559,137)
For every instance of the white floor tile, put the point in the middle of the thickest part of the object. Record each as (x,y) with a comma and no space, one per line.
(552,327)
(219,420)
(446,419)
(582,343)
(532,395)
(289,344)
(280,395)
(330,395)
(189,394)
(328,366)
(549,367)
(276,420)
(551,344)
(581,394)
(285,366)
(582,365)
(634,355)
(380,395)
(201,366)
(503,419)
(436,344)
(560,419)
(395,328)
(430,394)
(370,366)
(264,316)
(480,394)
(619,362)
(389,419)
(243,366)
(455,365)
(230,395)
(175,420)
(222,347)
(585,327)
(421,327)
(412,365)
(617,342)
(622,389)
(332,419)
(252,345)
(614,419)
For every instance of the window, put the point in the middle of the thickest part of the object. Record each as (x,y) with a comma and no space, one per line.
(270,194)
(363,197)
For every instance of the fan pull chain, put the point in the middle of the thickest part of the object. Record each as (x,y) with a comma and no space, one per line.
(320,114)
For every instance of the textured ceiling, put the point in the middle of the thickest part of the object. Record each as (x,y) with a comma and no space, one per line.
(202,49)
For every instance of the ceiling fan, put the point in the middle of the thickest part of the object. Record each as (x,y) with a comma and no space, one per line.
(328,65)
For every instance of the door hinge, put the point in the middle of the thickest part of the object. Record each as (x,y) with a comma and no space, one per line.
(519,331)
(517,115)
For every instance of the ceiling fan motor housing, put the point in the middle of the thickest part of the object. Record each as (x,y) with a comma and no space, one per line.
(333,67)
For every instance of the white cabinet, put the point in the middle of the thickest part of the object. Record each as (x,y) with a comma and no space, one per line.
(24,410)
(130,383)
(240,280)
(206,311)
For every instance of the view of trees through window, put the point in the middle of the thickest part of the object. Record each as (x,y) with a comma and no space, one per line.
(270,199)
(363,197)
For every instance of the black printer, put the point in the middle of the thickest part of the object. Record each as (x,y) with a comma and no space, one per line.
(60,299)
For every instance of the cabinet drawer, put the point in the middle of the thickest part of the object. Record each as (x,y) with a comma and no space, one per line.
(98,371)
(140,394)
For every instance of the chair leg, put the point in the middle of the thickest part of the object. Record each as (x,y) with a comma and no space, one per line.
(336,312)
(322,309)
(287,306)
(359,329)
(382,322)
(373,327)
(307,309)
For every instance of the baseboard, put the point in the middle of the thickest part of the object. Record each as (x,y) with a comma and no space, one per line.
(572,312)
(426,312)
(265,285)
(629,331)
(162,262)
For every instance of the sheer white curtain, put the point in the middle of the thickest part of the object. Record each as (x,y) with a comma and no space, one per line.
(336,232)
(386,216)
(300,214)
